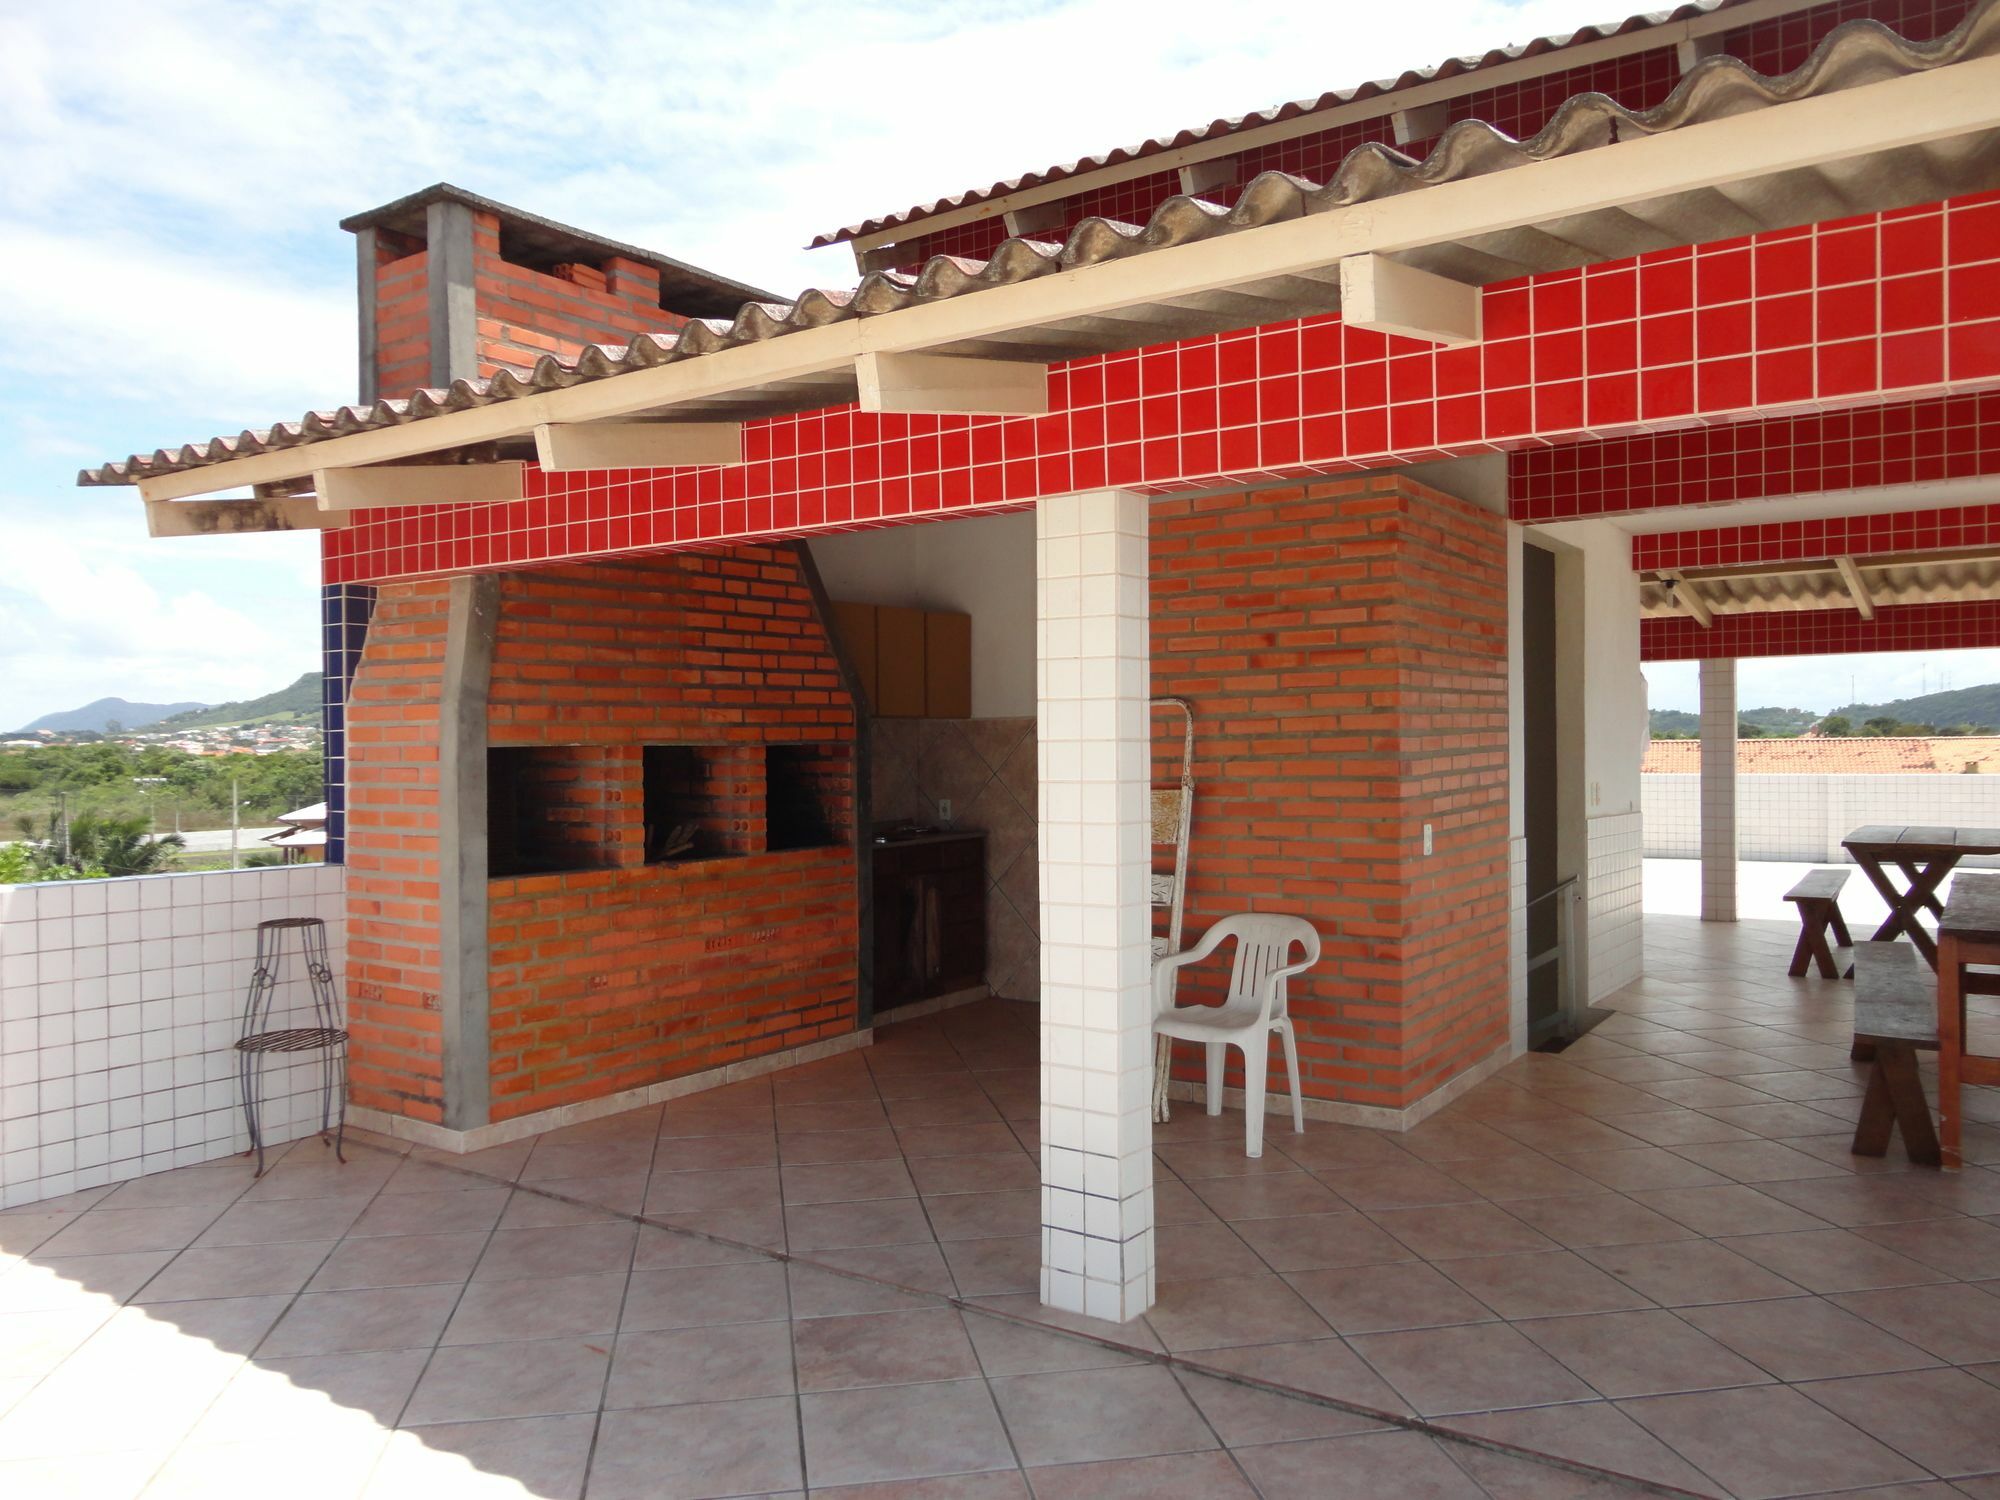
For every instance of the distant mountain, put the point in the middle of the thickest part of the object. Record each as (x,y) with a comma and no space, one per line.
(95,718)
(1977,706)
(1669,722)
(297,704)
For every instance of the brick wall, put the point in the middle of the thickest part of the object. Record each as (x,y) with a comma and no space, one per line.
(402,323)
(524,313)
(1345,647)
(620,973)
(393,959)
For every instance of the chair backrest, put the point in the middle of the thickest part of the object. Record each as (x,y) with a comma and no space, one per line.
(1263,946)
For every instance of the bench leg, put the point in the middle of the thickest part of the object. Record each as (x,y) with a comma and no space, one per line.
(1913,1111)
(1812,946)
(1878,1110)
(1861,1051)
(1840,933)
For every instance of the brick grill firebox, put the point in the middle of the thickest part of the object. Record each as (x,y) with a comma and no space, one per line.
(612,973)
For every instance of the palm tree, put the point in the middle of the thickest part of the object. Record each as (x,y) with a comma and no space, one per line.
(120,845)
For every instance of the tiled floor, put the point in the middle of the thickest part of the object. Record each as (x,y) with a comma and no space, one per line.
(1651,1256)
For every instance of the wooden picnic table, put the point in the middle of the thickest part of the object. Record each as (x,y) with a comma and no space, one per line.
(1968,934)
(1924,855)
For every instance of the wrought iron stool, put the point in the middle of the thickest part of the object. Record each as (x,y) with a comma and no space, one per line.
(326,1036)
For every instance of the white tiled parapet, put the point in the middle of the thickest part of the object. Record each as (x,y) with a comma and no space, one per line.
(1718,791)
(119,1002)
(1094,729)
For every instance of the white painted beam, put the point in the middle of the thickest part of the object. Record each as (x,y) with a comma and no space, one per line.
(1418,124)
(944,383)
(1688,597)
(1873,120)
(417,484)
(1202,177)
(234,516)
(1857,586)
(567,446)
(1390,297)
(1039,218)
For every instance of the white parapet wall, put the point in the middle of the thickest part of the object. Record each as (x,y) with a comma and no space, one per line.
(1806,817)
(119,1002)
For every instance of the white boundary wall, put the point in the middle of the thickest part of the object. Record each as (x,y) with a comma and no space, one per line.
(1806,817)
(119,1000)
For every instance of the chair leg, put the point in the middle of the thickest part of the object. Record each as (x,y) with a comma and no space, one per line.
(1217,1053)
(1913,1111)
(1878,1110)
(1292,1072)
(1256,1062)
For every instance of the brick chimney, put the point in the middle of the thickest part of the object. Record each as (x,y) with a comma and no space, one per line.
(454,286)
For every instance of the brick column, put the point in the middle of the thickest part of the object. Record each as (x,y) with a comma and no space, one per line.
(1094,732)
(1718,791)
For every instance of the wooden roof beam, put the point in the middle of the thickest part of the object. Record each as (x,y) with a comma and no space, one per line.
(1857,586)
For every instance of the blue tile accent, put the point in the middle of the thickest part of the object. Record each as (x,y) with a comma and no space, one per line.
(345,609)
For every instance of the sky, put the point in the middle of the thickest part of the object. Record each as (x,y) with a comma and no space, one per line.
(175,174)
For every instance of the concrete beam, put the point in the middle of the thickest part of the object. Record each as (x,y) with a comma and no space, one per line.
(565,447)
(453,310)
(418,484)
(1202,177)
(1688,596)
(365,257)
(931,383)
(1857,586)
(1023,223)
(472,621)
(1390,297)
(228,517)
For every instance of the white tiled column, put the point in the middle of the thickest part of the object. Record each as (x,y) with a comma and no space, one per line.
(1095,758)
(1718,791)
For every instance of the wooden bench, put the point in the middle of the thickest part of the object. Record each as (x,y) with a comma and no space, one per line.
(1895,1014)
(1818,899)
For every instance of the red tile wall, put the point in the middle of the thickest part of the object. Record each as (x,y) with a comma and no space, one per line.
(1824,632)
(1806,541)
(1345,644)
(1899,306)
(1899,442)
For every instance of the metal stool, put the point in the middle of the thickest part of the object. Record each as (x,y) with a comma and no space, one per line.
(326,1037)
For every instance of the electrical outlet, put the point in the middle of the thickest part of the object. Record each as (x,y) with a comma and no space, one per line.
(944,809)
(1427,838)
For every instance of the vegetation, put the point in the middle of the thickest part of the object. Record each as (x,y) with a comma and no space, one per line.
(102,781)
(299,703)
(1865,722)
(1973,710)
(89,848)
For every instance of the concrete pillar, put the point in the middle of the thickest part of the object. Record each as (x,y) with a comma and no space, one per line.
(1718,791)
(1094,733)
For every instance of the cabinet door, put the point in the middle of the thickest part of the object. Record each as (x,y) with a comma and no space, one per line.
(899,662)
(947,665)
(855,625)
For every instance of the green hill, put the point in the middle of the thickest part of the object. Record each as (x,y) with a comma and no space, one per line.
(1675,723)
(1977,706)
(297,704)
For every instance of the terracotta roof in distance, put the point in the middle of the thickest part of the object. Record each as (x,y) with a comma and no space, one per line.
(1887,755)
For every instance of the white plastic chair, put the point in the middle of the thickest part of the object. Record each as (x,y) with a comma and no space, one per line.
(1253,1010)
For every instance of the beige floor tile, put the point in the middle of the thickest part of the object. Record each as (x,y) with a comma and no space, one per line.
(915,1267)
(888,1348)
(847,1182)
(471,1212)
(1365,1467)
(676,1453)
(721,1362)
(903,1432)
(1081,1416)
(475,1382)
(47,1283)
(1474,1367)
(689,1296)
(1375,1299)
(1542,1284)
(1244,1310)
(1460,1229)
(540,1456)
(837,1226)
(115,1231)
(563,1250)
(699,1192)
(1685,1273)
(399,1260)
(1594,1433)
(1763,1441)
(1177,1476)
(279,1219)
(404,1317)
(1243,1416)
(1732,1208)
(1831,1260)
(1600,1219)
(1317,1242)
(1805,1338)
(1640,1353)
(1944,1419)
(1959,1323)
(551,1307)
(1007,1347)
(979,1216)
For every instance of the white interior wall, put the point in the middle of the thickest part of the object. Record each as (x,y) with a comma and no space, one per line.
(1608,697)
(983,566)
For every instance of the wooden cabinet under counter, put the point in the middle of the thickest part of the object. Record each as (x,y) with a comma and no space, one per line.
(930,916)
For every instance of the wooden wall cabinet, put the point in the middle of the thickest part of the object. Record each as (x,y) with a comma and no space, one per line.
(930,917)
(913,663)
